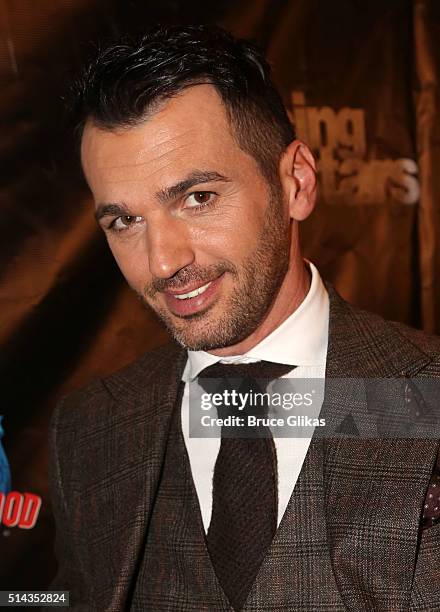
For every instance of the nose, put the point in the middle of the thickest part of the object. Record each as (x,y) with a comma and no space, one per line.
(169,246)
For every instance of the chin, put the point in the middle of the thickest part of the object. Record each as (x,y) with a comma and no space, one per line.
(214,336)
(198,342)
(211,330)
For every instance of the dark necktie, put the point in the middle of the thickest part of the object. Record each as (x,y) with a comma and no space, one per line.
(245,488)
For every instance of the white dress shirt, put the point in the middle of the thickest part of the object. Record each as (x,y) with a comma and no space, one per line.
(301,340)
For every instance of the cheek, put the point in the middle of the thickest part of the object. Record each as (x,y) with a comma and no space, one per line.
(231,237)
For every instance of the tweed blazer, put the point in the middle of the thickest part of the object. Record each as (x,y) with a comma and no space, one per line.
(107,451)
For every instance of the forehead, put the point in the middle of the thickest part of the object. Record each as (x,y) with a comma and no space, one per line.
(191,130)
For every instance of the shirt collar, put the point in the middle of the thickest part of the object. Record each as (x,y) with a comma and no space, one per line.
(300,340)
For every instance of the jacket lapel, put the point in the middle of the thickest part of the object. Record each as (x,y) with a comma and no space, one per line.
(118,503)
(374,488)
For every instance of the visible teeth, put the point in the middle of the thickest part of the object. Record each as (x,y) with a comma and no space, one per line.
(185,296)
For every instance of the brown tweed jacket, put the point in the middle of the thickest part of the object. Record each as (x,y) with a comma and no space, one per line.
(107,451)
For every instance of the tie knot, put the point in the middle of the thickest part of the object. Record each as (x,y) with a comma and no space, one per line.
(244,385)
(260,369)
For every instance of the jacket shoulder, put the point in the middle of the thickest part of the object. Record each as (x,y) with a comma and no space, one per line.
(425,342)
(365,344)
(103,397)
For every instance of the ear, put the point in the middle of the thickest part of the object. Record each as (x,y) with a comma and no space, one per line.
(298,178)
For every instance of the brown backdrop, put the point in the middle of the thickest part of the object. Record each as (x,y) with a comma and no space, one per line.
(360,81)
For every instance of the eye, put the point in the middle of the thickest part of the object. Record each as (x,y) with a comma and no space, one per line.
(124,222)
(199,199)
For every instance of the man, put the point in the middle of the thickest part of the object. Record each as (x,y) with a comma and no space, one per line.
(200,186)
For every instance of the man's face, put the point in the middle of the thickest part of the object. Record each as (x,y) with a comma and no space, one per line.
(194,227)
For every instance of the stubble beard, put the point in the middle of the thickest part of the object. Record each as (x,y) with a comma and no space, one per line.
(258,281)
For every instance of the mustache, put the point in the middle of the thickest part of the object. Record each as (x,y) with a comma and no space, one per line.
(185,276)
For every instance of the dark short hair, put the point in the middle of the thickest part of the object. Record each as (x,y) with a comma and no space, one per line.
(125,81)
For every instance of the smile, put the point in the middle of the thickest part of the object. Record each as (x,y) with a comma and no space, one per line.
(195,301)
(191,294)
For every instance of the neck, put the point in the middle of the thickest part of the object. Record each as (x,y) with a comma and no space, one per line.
(291,294)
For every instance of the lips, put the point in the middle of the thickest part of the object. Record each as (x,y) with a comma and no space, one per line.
(194,299)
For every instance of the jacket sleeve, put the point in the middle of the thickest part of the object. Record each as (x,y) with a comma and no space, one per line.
(69,576)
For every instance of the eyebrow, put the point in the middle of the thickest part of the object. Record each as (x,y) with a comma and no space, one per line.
(107,210)
(166,194)
(194,178)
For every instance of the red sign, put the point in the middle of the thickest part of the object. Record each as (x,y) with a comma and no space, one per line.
(19,509)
